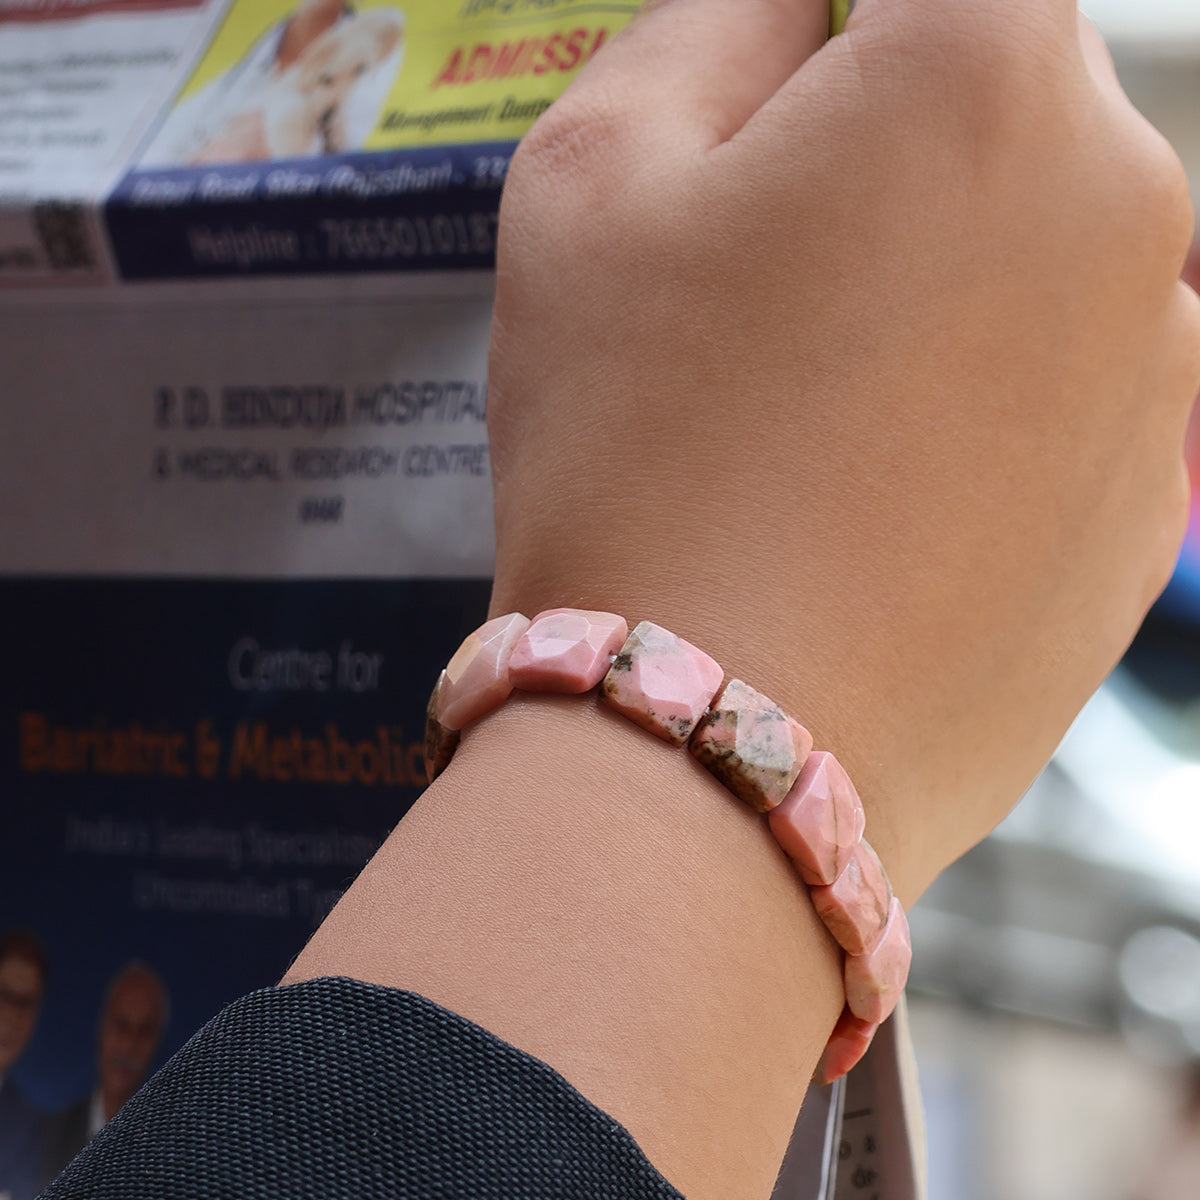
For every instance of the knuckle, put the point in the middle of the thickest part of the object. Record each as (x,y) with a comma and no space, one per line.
(587,154)
(997,48)
(573,140)
(1163,204)
(994,74)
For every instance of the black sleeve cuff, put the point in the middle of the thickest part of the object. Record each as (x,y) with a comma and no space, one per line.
(340,1090)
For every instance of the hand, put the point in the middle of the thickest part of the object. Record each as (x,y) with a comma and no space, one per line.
(865,366)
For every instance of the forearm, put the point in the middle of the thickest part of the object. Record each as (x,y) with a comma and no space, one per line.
(597,899)
(913,472)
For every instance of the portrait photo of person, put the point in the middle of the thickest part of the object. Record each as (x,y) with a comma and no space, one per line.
(22,985)
(132,1021)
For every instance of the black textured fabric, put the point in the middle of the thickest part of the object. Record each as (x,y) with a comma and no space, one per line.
(341,1090)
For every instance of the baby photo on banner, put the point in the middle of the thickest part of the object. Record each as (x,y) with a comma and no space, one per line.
(319,136)
(283,81)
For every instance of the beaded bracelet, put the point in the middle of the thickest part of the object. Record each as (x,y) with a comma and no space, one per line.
(766,759)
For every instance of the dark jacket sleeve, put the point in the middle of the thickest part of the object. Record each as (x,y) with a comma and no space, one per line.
(341,1090)
(66,1135)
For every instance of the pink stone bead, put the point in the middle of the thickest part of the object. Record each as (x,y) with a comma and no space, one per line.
(820,821)
(751,745)
(875,981)
(849,1041)
(566,650)
(440,742)
(477,676)
(661,682)
(855,907)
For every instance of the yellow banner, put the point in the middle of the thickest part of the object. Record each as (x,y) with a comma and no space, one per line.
(310,78)
(320,76)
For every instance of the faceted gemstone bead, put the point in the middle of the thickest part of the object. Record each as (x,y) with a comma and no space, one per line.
(751,745)
(849,1041)
(855,906)
(820,821)
(440,742)
(661,682)
(566,650)
(875,981)
(477,676)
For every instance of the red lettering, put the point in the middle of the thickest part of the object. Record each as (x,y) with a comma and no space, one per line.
(506,58)
(572,50)
(549,49)
(477,64)
(521,66)
(449,73)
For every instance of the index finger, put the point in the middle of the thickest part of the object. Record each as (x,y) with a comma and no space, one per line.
(697,70)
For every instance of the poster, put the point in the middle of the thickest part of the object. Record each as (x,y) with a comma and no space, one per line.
(320,137)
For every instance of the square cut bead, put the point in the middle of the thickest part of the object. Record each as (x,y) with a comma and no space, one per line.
(476,678)
(566,650)
(849,1041)
(820,821)
(751,745)
(440,742)
(875,981)
(661,682)
(855,906)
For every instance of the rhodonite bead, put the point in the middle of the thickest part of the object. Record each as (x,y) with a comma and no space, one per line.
(661,682)
(820,821)
(751,745)
(849,1041)
(855,906)
(476,678)
(440,742)
(874,981)
(566,650)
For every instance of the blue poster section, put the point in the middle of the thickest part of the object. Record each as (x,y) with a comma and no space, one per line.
(193,772)
(400,210)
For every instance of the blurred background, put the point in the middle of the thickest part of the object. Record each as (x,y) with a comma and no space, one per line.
(1056,979)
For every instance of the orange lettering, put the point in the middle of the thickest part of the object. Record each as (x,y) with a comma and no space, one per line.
(35,752)
(249,751)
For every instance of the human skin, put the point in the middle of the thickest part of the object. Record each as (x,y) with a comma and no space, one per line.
(1191,275)
(21,988)
(130,1029)
(865,367)
(943,478)
(311,19)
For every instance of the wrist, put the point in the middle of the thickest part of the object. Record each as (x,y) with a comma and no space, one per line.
(579,890)
(791,651)
(760,754)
